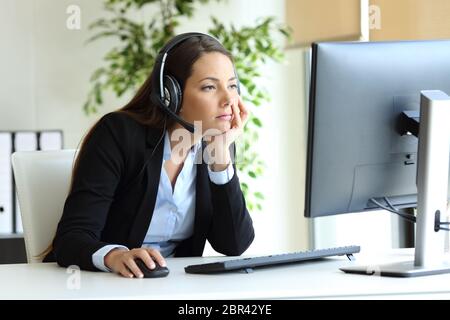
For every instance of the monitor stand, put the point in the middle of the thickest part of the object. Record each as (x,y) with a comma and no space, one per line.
(432,185)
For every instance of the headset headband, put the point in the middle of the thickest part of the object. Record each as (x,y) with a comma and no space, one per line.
(161,59)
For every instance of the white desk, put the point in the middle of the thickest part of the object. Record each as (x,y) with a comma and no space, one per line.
(311,280)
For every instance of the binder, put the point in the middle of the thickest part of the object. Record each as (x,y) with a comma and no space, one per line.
(23,141)
(50,140)
(6,221)
(11,141)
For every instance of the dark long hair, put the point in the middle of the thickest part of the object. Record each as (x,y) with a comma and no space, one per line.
(179,63)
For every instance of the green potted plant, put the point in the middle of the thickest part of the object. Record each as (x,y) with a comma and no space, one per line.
(129,63)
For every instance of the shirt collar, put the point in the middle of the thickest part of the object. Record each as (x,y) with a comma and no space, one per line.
(168,150)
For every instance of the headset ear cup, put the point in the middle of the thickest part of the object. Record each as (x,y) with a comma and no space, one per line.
(173,93)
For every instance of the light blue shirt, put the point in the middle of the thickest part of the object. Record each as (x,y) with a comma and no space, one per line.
(174,213)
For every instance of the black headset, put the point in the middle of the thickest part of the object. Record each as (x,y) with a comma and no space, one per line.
(166,91)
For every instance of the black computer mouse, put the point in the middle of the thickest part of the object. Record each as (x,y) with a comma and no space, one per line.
(158,272)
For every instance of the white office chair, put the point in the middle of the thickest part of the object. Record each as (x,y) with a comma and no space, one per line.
(42,184)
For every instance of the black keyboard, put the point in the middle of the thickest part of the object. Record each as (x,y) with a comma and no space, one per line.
(264,261)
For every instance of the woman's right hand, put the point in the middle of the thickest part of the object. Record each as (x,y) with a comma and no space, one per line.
(122,261)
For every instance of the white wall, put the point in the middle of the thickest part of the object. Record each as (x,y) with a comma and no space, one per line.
(46,67)
(45,70)
(16,66)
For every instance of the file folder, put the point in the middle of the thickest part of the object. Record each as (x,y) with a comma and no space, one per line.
(50,140)
(6,221)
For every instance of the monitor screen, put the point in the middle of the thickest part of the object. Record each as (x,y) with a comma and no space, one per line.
(358,91)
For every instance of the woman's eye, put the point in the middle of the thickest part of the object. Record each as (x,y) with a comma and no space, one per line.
(234,86)
(208,88)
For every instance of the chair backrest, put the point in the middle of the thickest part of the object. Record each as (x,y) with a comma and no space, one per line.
(42,184)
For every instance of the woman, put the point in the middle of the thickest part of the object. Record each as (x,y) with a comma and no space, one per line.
(144,187)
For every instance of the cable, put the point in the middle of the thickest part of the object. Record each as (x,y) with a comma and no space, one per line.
(151,155)
(159,141)
(390,204)
(409,218)
(382,206)
(394,210)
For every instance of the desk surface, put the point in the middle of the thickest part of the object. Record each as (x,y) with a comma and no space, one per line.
(308,280)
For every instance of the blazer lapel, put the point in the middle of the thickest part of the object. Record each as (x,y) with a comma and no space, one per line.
(151,180)
(203,207)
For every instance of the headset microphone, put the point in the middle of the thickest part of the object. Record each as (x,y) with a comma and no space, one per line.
(188,126)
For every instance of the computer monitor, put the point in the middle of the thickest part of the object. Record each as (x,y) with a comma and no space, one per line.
(358,155)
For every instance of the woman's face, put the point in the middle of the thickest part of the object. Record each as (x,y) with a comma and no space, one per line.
(210,92)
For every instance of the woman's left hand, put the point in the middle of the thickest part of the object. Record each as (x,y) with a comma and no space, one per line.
(221,143)
(240,118)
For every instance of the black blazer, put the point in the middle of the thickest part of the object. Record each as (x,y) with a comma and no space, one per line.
(113,198)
